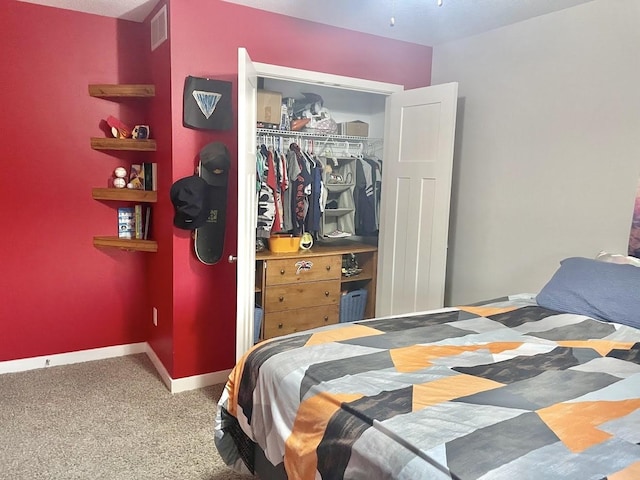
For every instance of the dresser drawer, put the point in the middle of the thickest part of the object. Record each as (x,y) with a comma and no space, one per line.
(290,321)
(299,295)
(303,269)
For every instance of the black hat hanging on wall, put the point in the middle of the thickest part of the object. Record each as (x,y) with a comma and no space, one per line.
(207,104)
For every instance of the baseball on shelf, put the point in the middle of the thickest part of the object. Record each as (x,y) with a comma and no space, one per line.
(120,172)
(119,182)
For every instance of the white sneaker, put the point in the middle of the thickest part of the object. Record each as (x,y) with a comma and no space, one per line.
(338,234)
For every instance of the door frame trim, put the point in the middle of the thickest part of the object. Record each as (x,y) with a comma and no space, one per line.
(298,75)
(266,70)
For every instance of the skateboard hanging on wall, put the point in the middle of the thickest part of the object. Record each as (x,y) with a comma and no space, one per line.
(213,168)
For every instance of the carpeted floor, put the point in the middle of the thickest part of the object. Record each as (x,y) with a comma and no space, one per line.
(109,419)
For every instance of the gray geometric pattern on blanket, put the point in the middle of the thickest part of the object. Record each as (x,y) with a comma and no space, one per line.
(525,393)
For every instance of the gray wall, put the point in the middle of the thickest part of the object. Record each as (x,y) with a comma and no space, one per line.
(547,146)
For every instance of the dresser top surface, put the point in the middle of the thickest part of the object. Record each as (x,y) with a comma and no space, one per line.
(319,251)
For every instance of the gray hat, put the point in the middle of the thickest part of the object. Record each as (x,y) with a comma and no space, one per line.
(214,164)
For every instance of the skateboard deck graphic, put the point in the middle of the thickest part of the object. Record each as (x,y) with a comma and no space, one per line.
(213,167)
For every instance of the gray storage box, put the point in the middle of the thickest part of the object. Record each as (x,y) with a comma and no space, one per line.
(352,305)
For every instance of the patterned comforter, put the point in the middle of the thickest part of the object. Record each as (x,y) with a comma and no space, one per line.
(501,390)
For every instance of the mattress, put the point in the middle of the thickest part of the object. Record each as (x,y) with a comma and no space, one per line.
(505,389)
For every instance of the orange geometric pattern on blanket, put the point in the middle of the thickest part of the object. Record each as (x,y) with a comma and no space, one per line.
(417,357)
(603,347)
(486,311)
(579,435)
(345,333)
(312,417)
(445,389)
(632,472)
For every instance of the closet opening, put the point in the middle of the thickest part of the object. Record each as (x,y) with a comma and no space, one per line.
(321,145)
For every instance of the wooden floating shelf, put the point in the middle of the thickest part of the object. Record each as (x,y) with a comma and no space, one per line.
(108,90)
(125,195)
(126,244)
(132,144)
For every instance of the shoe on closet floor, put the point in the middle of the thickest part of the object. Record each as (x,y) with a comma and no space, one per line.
(338,234)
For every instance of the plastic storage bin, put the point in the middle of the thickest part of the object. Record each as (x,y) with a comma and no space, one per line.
(284,243)
(257,323)
(352,305)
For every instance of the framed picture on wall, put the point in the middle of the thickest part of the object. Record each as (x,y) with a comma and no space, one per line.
(207,104)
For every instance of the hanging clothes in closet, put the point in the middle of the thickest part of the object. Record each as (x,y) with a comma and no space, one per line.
(367,195)
(293,197)
(290,191)
(266,200)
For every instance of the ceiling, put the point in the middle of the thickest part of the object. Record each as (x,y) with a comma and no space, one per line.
(417,21)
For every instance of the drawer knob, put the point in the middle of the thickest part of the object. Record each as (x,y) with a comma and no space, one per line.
(282,271)
(280,325)
(328,267)
(281,298)
(326,318)
(326,294)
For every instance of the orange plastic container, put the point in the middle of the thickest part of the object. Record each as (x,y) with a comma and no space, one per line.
(284,243)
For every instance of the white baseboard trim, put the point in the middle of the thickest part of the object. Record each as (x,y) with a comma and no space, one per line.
(199,381)
(162,371)
(187,383)
(32,363)
(58,359)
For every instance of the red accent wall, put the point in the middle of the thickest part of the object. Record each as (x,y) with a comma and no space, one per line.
(57,292)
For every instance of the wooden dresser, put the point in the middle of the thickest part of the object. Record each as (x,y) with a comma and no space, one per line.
(302,290)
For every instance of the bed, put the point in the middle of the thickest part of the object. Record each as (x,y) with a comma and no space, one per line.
(540,386)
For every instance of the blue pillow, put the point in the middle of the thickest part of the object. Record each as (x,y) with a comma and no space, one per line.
(602,290)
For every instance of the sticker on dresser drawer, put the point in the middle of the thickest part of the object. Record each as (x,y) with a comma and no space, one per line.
(303,266)
(302,269)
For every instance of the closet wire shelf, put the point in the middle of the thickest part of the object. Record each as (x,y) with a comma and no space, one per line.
(332,145)
(292,134)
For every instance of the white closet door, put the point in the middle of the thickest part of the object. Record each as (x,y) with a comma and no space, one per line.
(247,202)
(416,190)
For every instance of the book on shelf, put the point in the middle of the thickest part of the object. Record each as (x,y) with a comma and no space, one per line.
(147,223)
(134,222)
(126,222)
(154,176)
(146,169)
(136,177)
(150,170)
(138,221)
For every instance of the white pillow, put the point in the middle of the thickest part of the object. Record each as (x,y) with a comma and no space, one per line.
(617,258)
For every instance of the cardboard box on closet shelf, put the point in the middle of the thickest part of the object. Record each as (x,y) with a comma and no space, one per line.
(357,128)
(269,107)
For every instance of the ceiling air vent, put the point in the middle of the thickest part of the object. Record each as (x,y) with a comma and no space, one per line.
(159,27)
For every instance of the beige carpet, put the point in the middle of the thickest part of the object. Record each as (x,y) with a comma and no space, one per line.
(110,419)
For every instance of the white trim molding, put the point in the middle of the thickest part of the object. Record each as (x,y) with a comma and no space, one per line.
(56,360)
(187,383)
(199,381)
(44,361)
